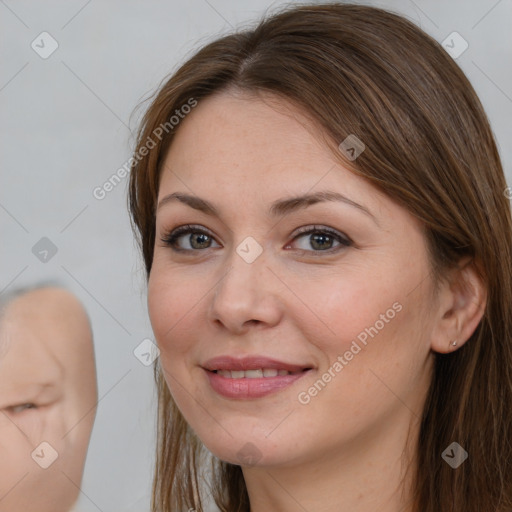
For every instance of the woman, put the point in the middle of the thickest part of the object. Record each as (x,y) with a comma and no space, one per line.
(320,206)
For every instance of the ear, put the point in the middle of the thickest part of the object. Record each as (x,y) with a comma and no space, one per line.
(461,305)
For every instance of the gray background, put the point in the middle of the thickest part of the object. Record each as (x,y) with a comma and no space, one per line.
(67,125)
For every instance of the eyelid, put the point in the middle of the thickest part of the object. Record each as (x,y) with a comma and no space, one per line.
(320,228)
(191,227)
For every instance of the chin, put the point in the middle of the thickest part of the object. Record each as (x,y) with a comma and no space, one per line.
(250,451)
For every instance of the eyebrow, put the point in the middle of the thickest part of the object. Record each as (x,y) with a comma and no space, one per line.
(280,207)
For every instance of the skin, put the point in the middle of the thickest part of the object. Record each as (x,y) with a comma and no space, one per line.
(345,450)
(48,394)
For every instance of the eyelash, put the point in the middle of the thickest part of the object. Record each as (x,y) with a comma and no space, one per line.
(171,237)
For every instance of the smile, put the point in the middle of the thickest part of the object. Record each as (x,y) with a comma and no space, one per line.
(251,377)
(253,374)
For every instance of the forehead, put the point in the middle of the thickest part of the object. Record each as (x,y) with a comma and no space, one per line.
(232,129)
(259,149)
(30,350)
(40,336)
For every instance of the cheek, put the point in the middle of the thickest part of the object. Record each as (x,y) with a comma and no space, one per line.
(15,461)
(172,302)
(15,457)
(364,327)
(346,308)
(375,355)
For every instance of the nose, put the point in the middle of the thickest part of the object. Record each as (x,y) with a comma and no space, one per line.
(246,294)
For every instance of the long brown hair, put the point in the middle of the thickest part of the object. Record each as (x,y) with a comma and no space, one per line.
(371,73)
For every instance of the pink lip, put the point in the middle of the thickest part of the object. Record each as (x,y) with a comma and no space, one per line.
(250,388)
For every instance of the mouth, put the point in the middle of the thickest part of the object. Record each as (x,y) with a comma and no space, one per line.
(251,364)
(259,373)
(251,377)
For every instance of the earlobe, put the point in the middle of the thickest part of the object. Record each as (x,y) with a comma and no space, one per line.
(461,306)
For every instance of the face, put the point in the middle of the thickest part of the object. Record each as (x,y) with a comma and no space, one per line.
(331,294)
(47,395)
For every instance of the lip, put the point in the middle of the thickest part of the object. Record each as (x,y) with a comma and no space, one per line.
(245,388)
(251,363)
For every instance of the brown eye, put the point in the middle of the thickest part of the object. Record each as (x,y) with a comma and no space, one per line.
(194,238)
(322,239)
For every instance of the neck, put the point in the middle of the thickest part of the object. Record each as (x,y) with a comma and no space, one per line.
(371,473)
